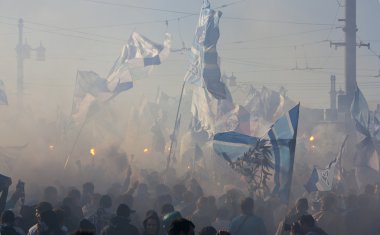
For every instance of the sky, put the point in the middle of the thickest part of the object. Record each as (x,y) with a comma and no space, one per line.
(261,43)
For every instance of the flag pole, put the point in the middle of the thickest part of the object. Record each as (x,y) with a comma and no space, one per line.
(175,126)
(75,142)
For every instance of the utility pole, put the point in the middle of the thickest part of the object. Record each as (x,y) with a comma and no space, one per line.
(20,62)
(23,51)
(350,45)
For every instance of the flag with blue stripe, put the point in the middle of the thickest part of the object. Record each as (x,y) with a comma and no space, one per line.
(135,61)
(322,179)
(366,157)
(360,112)
(204,69)
(233,144)
(282,136)
(3,95)
(89,88)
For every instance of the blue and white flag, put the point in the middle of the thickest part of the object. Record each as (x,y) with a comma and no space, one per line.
(367,151)
(283,135)
(204,69)
(322,179)
(233,144)
(89,88)
(360,113)
(3,95)
(136,57)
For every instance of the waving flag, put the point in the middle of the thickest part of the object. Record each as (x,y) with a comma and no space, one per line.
(90,89)
(360,113)
(233,144)
(322,179)
(282,136)
(3,95)
(204,68)
(367,151)
(138,54)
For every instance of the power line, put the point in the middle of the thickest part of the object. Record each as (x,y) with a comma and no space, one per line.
(279,36)
(277,21)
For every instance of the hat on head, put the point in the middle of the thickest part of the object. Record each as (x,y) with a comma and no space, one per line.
(124,210)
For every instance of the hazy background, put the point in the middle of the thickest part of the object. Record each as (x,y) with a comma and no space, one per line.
(261,43)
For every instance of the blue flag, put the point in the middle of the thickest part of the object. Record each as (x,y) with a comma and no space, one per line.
(282,136)
(233,144)
(204,69)
(3,95)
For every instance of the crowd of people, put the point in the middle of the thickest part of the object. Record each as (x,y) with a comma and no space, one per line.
(182,208)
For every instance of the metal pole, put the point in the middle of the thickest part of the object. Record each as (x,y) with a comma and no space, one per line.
(175,126)
(350,50)
(20,62)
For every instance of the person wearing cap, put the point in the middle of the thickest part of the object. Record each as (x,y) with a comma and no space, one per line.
(41,207)
(168,216)
(120,224)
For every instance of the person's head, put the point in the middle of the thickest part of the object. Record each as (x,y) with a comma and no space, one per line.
(181,227)
(75,195)
(51,195)
(166,209)
(88,188)
(246,206)
(151,224)
(306,223)
(86,225)
(50,219)
(83,232)
(105,202)
(208,230)
(7,217)
(124,211)
(41,208)
(302,206)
